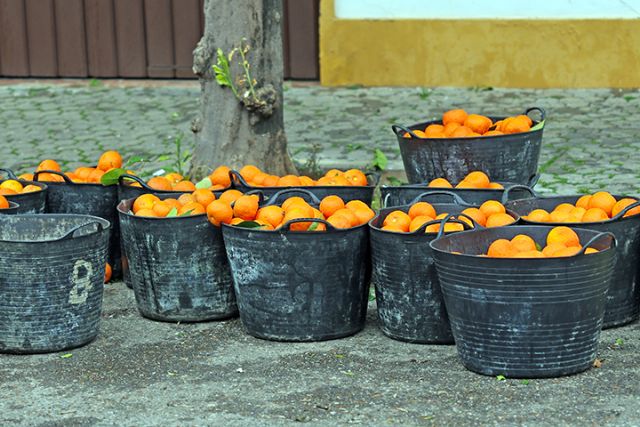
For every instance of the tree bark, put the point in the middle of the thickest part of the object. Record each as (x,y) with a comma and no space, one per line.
(226,132)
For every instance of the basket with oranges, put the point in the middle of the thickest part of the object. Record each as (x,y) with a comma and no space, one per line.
(7,207)
(29,195)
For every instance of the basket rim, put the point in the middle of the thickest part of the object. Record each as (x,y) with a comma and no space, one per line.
(106,225)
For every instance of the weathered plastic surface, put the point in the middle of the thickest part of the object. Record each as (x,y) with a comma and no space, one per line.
(623,299)
(300,286)
(178,267)
(508,158)
(33,202)
(408,295)
(346,193)
(403,194)
(88,199)
(11,210)
(527,318)
(51,281)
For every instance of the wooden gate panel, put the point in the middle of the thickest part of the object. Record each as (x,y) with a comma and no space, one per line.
(130,40)
(41,36)
(71,44)
(159,30)
(14,59)
(186,17)
(302,38)
(101,38)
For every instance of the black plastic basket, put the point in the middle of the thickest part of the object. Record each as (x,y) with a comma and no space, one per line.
(177,267)
(345,192)
(300,286)
(87,199)
(527,318)
(623,299)
(33,202)
(51,281)
(11,210)
(505,158)
(408,295)
(403,194)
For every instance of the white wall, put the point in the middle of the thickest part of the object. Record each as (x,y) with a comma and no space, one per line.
(478,9)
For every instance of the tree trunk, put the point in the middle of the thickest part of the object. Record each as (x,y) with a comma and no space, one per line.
(226,132)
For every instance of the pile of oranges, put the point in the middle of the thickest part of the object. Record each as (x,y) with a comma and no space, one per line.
(272,217)
(475,180)
(195,203)
(175,182)
(4,203)
(11,187)
(82,175)
(600,206)
(490,214)
(459,124)
(561,242)
(256,178)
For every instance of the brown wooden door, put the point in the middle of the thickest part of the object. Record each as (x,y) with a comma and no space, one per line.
(129,38)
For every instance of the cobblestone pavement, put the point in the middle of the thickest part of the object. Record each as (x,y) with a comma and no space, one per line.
(590,141)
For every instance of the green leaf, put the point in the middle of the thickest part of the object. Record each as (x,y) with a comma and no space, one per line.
(111,177)
(524,382)
(204,183)
(394,181)
(372,294)
(173,212)
(538,126)
(66,356)
(538,247)
(164,158)
(187,213)
(134,160)
(501,378)
(248,224)
(379,160)
(313,226)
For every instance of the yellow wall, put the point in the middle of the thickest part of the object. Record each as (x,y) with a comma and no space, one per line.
(501,53)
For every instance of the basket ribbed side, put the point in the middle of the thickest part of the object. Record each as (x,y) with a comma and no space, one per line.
(408,296)
(526,321)
(51,293)
(300,287)
(178,268)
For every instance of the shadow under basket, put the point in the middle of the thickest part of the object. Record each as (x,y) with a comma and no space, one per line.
(51,281)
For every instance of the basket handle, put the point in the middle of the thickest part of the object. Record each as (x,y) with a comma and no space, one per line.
(287,225)
(399,128)
(274,198)
(9,172)
(543,113)
(66,179)
(627,209)
(507,191)
(137,179)
(597,237)
(74,230)
(258,193)
(451,217)
(456,198)
(235,176)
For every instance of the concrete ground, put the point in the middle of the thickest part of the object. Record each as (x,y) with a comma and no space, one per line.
(144,373)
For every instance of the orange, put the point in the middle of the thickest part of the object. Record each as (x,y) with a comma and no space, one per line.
(234,221)
(422,209)
(563,235)
(230,196)
(220,176)
(576,214)
(249,172)
(476,214)
(419,133)
(273,215)
(203,196)
(305,181)
(449,128)
(496,186)
(146,212)
(524,243)
(477,123)
(270,181)
(186,198)
(353,219)
(7,192)
(258,179)
(95,175)
(50,165)
(339,180)
(448,227)
(583,202)
(219,212)
(291,201)
(393,228)
(174,203)
(288,181)
(265,225)
(502,248)
(49,177)
(364,214)
(75,178)
(602,200)
(26,177)
(83,172)
(12,184)
(356,177)
(184,186)
(399,219)
(330,204)
(538,215)
(107,273)
(466,184)
(31,188)
(499,220)
(551,249)
(433,131)
(296,213)
(529,254)
(556,216)
(160,183)
(461,132)
(570,251)
(491,207)
(339,221)
(109,160)
(418,221)
(591,251)
(440,183)
(161,208)
(595,215)
(246,207)
(318,214)
(454,116)
(492,133)
(623,203)
(192,208)
(479,179)
(356,204)
(301,205)
(174,177)
(145,201)
(517,124)
(333,172)
(564,207)
(4,203)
